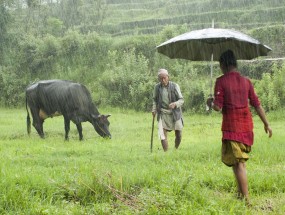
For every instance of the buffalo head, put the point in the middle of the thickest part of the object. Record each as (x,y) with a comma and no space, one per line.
(101,125)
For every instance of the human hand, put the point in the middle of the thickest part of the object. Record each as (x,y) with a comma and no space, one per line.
(268,130)
(172,105)
(210,102)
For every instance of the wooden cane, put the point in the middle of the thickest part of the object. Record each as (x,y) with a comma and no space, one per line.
(152,127)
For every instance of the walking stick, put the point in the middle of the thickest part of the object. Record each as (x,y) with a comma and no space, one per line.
(152,127)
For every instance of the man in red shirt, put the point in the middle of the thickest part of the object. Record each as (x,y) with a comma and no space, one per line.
(233,94)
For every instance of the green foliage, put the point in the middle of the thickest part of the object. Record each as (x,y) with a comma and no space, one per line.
(94,51)
(279,83)
(170,31)
(32,3)
(271,88)
(54,26)
(73,40)
(126,81)
(143,45)
(71,43)
(11,93)
(255,69)
(122,77)
(38,56)
(28,53)
(270,33)
(4,21)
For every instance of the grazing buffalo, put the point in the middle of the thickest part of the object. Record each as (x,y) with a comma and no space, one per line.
(72,100)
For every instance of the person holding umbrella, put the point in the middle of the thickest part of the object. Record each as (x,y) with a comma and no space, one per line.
(167,102)
(232,95)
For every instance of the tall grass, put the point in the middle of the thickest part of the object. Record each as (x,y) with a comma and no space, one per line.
(122,176)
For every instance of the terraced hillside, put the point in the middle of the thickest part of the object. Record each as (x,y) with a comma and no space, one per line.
(150,16)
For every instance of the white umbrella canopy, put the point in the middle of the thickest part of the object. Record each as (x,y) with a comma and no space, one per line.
(200,45)
(208,44)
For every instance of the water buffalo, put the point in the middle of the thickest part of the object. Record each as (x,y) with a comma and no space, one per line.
(50,98)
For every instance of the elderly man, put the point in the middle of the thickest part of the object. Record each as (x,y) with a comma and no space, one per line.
(167,102)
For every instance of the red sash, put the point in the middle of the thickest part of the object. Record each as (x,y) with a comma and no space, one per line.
(237,120)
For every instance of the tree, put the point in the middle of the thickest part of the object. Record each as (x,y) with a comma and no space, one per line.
(4,21)
(88,15)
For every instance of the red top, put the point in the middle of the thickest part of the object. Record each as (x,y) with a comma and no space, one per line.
(233,93)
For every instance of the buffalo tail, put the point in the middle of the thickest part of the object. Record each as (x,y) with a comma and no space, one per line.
(28,119)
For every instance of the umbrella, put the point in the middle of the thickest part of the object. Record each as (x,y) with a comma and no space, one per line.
(199,45)
(208,44)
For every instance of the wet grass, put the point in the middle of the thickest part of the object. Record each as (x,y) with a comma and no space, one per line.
(121,176)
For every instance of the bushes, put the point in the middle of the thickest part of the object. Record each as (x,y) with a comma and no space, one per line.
(11,93)
(271,88)
(122,73)
(126,81)
(37,56)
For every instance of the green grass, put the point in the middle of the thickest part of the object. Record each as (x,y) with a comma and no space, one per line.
(121,176)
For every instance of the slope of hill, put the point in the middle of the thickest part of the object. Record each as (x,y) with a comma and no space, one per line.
(149,16)
(262,19)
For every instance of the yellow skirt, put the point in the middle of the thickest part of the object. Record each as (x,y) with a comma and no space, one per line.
(234,152)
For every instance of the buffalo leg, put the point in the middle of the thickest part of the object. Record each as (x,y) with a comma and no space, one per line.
(79,129)
(39,128)
(66,127)
(38,122)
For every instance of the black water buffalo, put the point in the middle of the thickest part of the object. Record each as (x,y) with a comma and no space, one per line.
(58,97)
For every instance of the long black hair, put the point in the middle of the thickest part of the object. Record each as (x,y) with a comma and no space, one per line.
(228,59)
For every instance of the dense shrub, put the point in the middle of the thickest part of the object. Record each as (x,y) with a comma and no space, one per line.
(126,81)
(271,88)
(12,85)
(122,73)
(71,42)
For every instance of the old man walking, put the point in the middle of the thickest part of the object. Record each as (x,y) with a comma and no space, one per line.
(167,102)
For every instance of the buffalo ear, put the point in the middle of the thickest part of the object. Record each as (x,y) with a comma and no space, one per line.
(99,116)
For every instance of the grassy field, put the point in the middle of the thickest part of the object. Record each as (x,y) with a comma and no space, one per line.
(121,176)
